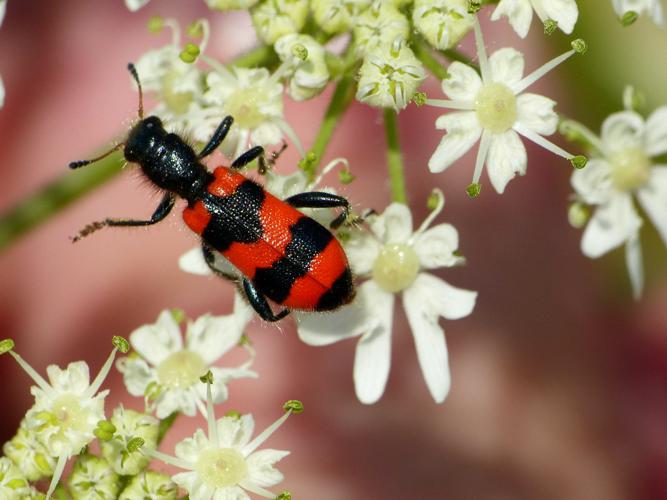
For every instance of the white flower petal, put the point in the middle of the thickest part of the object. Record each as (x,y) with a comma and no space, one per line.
(135,5)
(536,113)
(435,247)
(507,157)
(593,183)
(349,321)
(612,224)
(362,249)
(621,131)
(463,131)
(427,299)
(463,82)
(260,467)
(136,374)
(564,12)
(74,379)
(655,141)
(634,263)
(506,66)
(373,354)
(394,225)
(519,14)
(212,336)
(653,198)
(155,342)
(193,262)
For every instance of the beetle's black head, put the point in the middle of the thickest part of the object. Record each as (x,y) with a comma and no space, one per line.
(143,138)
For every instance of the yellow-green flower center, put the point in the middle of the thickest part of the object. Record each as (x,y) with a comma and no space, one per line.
(396,267)
(181,369)
(177,102)
(495,104)
(244,105)
(221,467)
(67,414)
(630,169)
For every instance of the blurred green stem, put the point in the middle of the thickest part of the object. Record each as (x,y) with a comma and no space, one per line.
(47,201)
(394,158)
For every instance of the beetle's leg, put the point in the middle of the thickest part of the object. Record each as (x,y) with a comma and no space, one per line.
(209,257)
(318,199)
(217,137)
(248,156)
(265,165)
(259,303)
(160,213)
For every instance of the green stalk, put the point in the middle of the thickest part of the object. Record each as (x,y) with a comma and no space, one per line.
(53,197)
(394,158)
(341,99)
(47,201)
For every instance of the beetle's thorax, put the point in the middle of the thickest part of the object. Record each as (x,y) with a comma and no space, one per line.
(165,158)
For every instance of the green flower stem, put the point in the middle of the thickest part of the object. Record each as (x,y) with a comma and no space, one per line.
(394,158)
(165,425)
(38,207)
(53,197)
(425,54)
(341,99)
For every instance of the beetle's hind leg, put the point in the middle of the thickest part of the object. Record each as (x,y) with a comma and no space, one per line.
(260,304)
(319,199)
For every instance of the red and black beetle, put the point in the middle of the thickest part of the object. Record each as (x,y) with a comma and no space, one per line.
(283,254)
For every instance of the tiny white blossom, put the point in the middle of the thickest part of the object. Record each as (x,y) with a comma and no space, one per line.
(495,109)
(225,462)
(390,76)
(25,449)
(622,170)
(150,485)
(378,26)
(13,485)
(129,424)
(93,477)
(254,98)
(309,76)
(168,371)
(652,7)
(275,18)
(442,22)
(520,13)
(395,258)
(337,16)
(67,408)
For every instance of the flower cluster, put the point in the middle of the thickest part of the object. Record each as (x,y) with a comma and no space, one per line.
(69,414)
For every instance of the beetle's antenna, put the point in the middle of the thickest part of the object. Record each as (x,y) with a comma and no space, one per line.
(83,163)
(135,75)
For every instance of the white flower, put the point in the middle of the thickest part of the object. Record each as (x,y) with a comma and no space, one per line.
(624,170)
(520,13)
(275,18)
(150,485)
(309,76)
(395,258)
(652,7)
(67,408)
(25,449)
(494,108)
(389,76)
(378,27)
(129,424)
(93,477)
(224,462)
(337,16)
(254,98)
(168,372)
(13,485)
(442,22)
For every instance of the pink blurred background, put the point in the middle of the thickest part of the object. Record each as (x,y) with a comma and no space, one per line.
(559,378)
